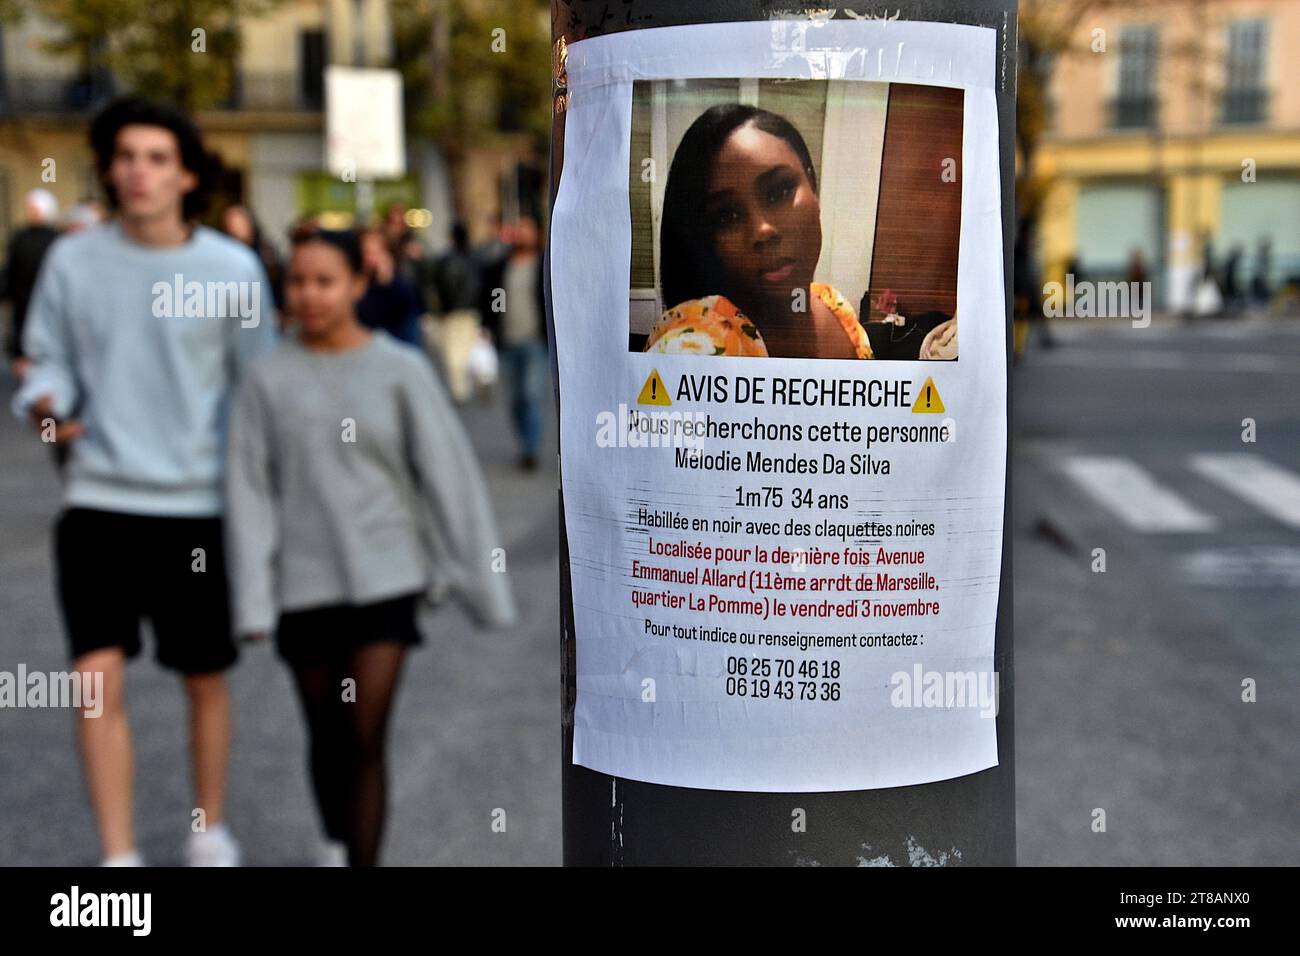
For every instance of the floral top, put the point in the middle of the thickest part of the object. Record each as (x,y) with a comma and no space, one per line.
(714,326)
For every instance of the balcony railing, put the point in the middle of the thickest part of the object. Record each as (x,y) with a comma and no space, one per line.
(1133,112)
(22,94)
(1244,106)
(276,91)
(53,93)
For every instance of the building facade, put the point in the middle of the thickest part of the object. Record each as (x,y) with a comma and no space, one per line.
(1175,133)
(269,133)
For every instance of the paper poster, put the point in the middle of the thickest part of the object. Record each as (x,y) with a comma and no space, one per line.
(783,466)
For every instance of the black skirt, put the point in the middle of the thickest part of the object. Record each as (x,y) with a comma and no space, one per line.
(322,634)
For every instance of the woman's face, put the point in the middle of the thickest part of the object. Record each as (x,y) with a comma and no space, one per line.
(322,290)
(764,219)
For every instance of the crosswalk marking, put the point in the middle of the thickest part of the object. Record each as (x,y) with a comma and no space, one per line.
(1269,487)
(1131,492)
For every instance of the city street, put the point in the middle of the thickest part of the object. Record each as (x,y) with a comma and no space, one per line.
(1128,682)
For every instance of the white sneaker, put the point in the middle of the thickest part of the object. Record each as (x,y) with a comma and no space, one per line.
(332,853)
(212,847)
(129,858)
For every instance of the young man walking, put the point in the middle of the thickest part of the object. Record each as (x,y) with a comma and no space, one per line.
(137,332)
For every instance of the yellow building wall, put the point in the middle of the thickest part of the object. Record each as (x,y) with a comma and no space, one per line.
(1057,228)
(1192,55)
(24,149)
(1192,170)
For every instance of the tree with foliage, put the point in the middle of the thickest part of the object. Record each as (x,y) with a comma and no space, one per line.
(474,69)
(185,51)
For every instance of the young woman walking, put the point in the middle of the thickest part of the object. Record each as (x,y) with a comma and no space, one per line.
(353,491)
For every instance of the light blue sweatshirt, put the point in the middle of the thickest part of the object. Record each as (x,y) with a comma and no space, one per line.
(143,346)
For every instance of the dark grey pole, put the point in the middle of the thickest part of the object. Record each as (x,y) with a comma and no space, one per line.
(610,821)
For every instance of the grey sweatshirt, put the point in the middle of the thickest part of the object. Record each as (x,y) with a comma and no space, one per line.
(350,480)
(147,371)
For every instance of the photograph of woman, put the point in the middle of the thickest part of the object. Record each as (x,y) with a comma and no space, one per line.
(353,491)
(740,238)
(798,219)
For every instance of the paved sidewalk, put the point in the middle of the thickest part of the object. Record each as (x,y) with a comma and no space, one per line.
(476,729)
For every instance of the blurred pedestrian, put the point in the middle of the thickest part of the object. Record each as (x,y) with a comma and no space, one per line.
(27,248)
(1261,289)
(406,247)
(304,227)
(353,491)
(391,302)
(1206,299)
(1029,292)
(523,339)
(86,213)
(395,229)
(415,264)
(1137,280)
(140,378)
(491,257)
(457,280)
(1232,291)
(239,223)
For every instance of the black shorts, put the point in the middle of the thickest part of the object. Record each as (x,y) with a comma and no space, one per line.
(115,569)
(323,635)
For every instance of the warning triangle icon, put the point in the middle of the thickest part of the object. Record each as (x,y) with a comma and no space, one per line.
(654,391)
(928,401)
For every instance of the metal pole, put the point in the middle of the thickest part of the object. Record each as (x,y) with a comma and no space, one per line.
(609,821)
(365,201)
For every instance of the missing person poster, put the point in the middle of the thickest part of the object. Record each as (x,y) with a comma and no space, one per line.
(777,285)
